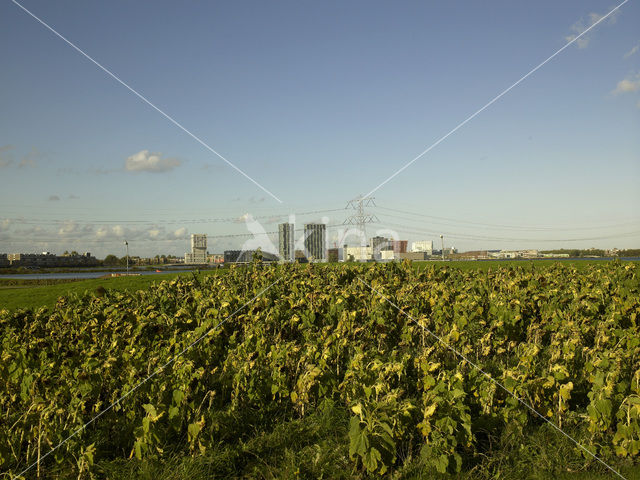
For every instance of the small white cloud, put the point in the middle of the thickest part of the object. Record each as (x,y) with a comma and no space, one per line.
(68,228)
(29,160)
(71,229)
(144,161)
(582,25)
(179,233)
(5,155)
(633,51)
(113,232)
(247,217)
(629,84)
(54,198)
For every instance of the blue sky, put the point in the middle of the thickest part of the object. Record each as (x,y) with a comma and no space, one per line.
(318,102)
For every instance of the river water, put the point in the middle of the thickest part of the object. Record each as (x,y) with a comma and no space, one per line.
(82,275)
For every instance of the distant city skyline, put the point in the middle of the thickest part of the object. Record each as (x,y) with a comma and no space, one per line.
(318,103)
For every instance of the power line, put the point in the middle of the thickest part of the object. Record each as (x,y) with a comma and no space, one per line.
(453,221)
(463,236)
(36,221)
(119,239)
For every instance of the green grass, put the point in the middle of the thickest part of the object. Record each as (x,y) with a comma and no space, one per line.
(483,265)
(578,263)
(315,446)
(34,295)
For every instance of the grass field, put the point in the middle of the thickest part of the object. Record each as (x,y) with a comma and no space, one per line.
(578,263)
(32,294)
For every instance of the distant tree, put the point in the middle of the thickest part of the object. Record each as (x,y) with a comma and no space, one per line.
(110,260)
(74,253)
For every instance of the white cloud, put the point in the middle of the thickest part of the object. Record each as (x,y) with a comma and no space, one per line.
(144,161)
(179,233)
(5,155)
(71,229)
(247,217)
(30,159)
(633,51)
(629,84)
(110,233)
(581,25)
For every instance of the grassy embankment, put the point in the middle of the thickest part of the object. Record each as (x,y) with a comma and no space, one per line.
(15,294)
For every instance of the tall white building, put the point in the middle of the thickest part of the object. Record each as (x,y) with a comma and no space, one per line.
(425,246)
(198,253)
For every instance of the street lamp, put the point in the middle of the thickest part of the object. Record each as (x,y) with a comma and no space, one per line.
(127,247)
(442,240)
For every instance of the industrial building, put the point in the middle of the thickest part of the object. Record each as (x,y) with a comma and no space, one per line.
(358,253)
(425,246)
(215,258)
(198,255)
(389,255)
(507,254)
(399,246)
(315,241)
(286,242)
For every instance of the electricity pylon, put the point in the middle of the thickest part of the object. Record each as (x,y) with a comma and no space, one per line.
(361,218)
